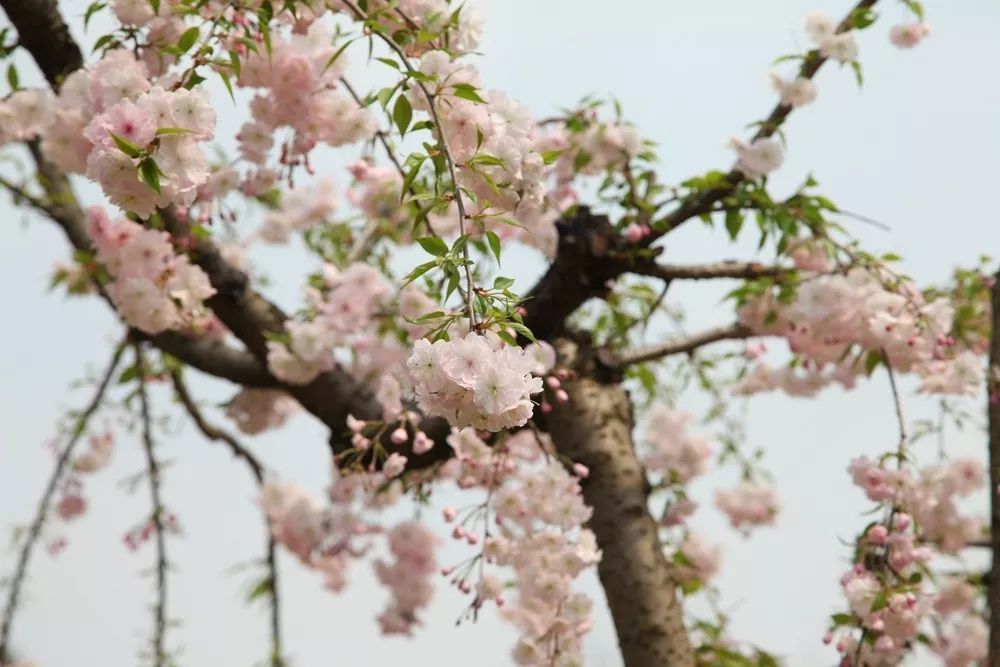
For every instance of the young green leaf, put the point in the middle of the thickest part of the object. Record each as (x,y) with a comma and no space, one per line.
(433,245)
(402,114)
(126,147)
(494,242)
(188,38)
(150,173)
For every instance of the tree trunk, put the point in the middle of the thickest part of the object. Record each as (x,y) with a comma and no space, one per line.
(993,410)
(595,428)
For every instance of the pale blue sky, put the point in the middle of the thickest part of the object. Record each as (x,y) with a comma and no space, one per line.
(916,148)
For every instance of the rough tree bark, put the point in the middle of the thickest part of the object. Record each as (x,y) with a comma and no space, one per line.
(993,410)
(595,428)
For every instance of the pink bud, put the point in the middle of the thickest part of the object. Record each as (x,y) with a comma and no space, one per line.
(841,646)
(421,443)
(901,522)
(356,425)
(445,571)
(399,436)
(581,470)
(878,534)
(471,538)
(562,396)
(634,233)
(499,599)
(553,382)
(547,408)
(449,514)
(458,532)
(827,638)
(464,586)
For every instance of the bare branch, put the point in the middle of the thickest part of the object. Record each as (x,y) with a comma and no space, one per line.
(725,269)
(211,431)
(160,658)
(35,530)
(216,433)
(734,331)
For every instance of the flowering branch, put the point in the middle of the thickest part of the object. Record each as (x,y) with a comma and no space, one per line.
(734,331)
(34,531)
(213,432)
(703,202)
(159,528)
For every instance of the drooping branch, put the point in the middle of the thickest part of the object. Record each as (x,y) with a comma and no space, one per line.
(215,433)
(157,644)
(35,529)
(595,428)
(734,331)
(993,412)
(212,357)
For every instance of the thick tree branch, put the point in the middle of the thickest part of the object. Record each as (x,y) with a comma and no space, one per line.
(735,331)
(595,428)
(212,357)
(35,530)
(42,31)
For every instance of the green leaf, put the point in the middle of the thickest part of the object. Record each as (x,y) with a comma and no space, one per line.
(103,40)
(419,271)
(193,80)
(163,131)
(734,223)
(228,85)
(433,245)
(548,157)
(390,62)
(126,147)
(523,330)
(155,4)
(260,589)
(872,361)
(12,77)
(880,602)
(502,283)
(150,173)
(91,10)
(188,39)
(467,92)
(485,158)
(842,619)
(234,60)
(863,17)
(858,75)
(129,374)
(494,242)
(402,114)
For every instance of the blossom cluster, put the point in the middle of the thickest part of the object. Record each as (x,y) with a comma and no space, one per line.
(138,137)
(299,85)
(409,576)
(477,381)
(833,316)
(153,288)
(344,307)
(536,530)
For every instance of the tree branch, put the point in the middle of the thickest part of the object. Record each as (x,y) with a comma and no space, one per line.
(211,357)
(35,530)
(725,269)
(735,331)
(993,412)
(160,657)
(215,433)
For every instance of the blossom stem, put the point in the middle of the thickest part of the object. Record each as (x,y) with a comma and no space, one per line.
(34,531)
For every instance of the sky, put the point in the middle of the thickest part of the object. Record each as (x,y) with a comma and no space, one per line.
(915,148)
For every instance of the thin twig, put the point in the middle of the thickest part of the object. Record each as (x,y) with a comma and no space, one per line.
(443,143)
(159,530)
(213,432)
(736,331)
(725,269)
(34,531)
